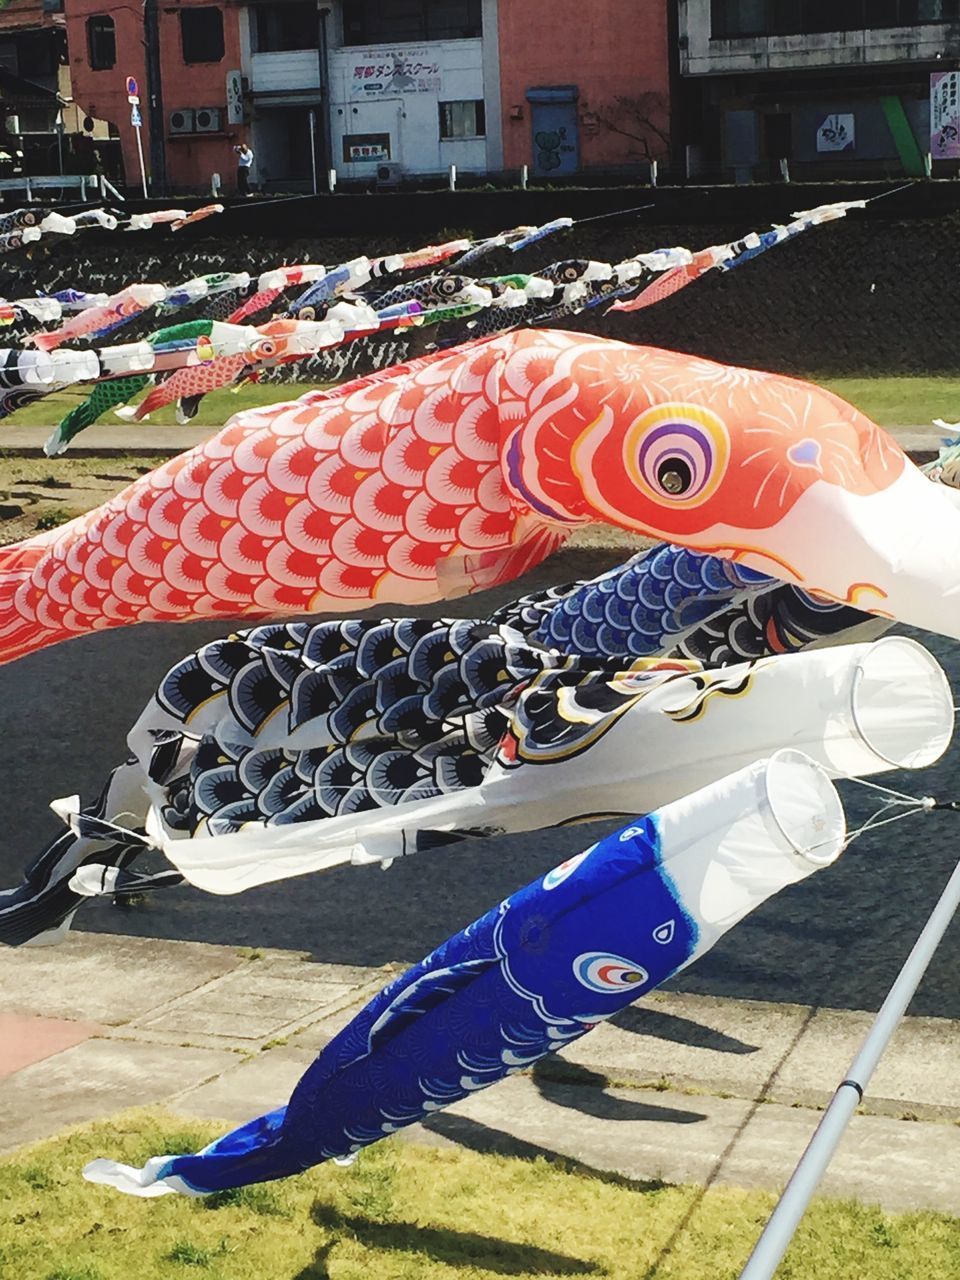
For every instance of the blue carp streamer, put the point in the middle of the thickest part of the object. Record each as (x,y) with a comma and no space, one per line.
(533,974)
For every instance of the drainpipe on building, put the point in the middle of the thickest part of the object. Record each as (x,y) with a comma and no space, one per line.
(158,155)
(327,158)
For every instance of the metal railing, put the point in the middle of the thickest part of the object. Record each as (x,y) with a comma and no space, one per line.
(62,182)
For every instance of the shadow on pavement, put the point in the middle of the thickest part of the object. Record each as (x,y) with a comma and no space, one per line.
(566,1084)
(669,1026)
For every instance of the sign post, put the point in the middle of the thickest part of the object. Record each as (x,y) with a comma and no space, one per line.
(313,147)
(133,97)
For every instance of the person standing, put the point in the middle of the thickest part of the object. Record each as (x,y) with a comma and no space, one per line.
(244,163)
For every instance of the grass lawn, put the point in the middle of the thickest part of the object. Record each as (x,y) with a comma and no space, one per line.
(900,402)
(891,402)
(422,1214)
(49,491)
(214,410)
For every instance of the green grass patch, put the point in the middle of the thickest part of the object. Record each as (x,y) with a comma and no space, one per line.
(900,401)
(405,1212)
(214,409)
(889,401)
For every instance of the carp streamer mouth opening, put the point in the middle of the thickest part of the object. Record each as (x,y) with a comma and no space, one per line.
(805,806)
(904,736)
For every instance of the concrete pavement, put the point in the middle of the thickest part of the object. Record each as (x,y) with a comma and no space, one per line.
(146,439)
(678,1087)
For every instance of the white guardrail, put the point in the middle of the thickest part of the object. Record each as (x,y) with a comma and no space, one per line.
(81,182)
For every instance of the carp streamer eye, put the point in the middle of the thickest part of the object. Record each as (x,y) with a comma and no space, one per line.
(677,453)
(608,974)
(674,476)
(307,313)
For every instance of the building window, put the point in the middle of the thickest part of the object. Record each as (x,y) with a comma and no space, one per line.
(462,119)
(733,19)
(373,22)
(453,19)
(37,119)
(201,34)
(282,27)
(101,42)
(778,136)
(37,55)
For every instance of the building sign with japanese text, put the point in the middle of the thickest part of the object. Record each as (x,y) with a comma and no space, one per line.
(837,132)
(945,115)
(386,73)
(366,146)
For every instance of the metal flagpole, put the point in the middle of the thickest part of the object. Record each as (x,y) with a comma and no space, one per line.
(778,1232)
(135,121)
(313,148)
(133,97)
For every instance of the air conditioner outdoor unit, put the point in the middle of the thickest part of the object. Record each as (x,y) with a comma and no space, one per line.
(181,121)
(389,174)
(207,120)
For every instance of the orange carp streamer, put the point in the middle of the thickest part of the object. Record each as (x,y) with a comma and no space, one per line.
(462,470)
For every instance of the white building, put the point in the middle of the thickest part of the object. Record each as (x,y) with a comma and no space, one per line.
(374,90)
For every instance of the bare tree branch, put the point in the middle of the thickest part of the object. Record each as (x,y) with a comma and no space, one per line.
(639,119)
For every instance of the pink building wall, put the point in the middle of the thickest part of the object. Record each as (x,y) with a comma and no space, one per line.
(191,158)
(102,94)
(608,49)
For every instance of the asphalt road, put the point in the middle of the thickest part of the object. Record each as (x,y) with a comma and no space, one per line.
(836,940)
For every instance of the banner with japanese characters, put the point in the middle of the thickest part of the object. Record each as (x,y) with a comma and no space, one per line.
(837,132)
(385,73)
(945,115)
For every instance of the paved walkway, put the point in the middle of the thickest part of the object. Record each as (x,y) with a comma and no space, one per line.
(146,439)
(141,438)
(679,1087)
